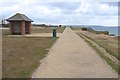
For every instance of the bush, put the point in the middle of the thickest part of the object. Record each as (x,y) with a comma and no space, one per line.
(84,29)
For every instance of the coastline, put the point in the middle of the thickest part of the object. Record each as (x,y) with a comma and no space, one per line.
(113,31)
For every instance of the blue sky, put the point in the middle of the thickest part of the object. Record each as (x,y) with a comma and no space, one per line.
(83,12)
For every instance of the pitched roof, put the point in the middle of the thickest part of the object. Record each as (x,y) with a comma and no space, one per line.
(19,17)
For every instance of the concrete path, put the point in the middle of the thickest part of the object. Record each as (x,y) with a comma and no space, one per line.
(72,57)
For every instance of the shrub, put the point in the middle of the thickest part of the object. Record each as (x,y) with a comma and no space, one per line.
(84,29)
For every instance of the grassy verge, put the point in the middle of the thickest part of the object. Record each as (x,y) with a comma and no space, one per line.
(113,51)
(21,55)
(109,62)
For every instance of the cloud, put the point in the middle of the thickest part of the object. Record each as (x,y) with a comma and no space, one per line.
(63,12)
(105,9)
(102,9)
(84,8)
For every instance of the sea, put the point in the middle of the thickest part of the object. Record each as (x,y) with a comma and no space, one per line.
(111,29)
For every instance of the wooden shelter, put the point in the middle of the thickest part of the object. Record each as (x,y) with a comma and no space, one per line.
(19,24)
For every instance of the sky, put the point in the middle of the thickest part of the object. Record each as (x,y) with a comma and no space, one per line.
(67,12)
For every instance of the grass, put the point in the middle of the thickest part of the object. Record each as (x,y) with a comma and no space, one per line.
(113,51)
(76,28)
(101,32)
(110,62)
(21,55)
(39,30)
(91,30)
(47,30)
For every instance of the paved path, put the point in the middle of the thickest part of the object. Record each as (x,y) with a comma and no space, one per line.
(72,57)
